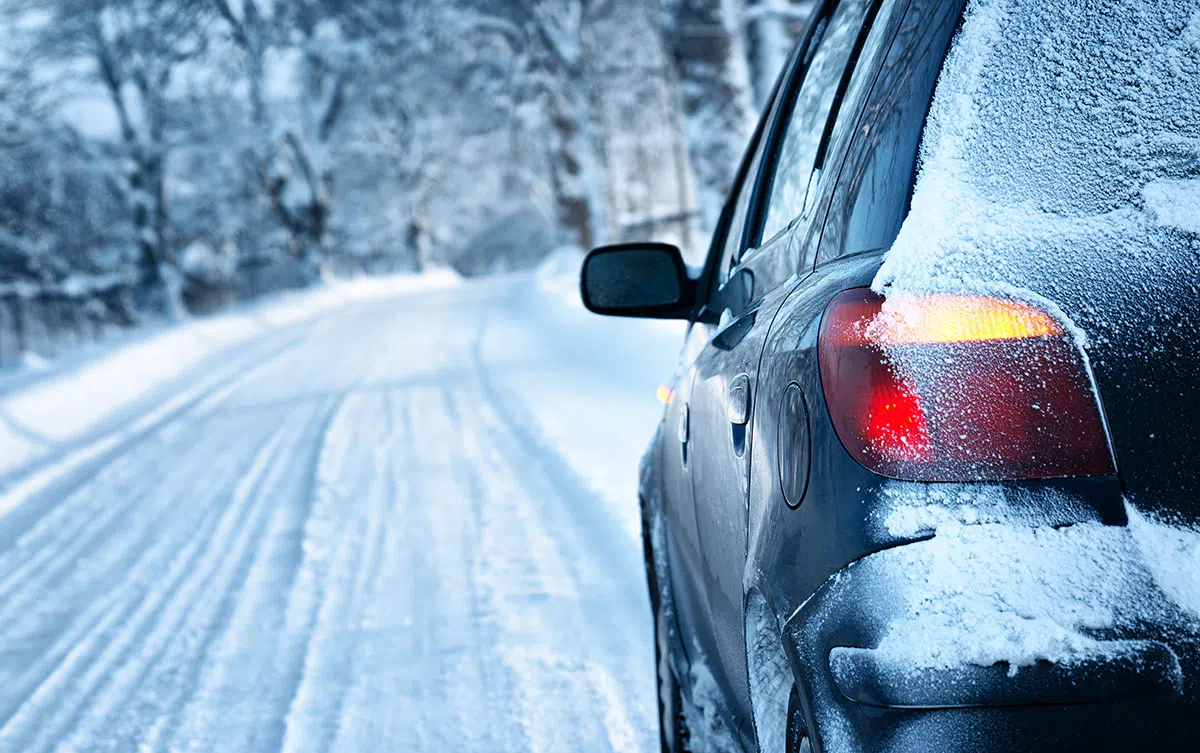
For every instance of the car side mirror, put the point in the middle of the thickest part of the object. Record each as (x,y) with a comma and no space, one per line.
(646,280)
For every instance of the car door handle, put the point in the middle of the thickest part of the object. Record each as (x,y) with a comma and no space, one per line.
(684,428)
(738,405)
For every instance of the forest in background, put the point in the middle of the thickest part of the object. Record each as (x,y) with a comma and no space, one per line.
(160,158)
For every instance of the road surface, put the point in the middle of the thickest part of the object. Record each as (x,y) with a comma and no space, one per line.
(406,525)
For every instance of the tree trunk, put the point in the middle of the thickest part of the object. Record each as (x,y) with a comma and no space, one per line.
(578,177)
(772,42)
(160,287)
(709,51)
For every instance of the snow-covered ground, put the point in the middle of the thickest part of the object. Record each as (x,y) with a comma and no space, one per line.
(375,517)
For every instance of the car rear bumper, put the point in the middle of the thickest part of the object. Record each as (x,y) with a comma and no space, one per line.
(1130,686)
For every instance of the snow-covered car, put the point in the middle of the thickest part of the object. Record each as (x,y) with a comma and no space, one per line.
(927,477)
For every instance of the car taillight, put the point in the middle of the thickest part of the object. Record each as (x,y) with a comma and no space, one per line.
(959,388)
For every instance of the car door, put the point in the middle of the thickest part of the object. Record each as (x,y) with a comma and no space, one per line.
(684,548)
(874,146)
(745,300)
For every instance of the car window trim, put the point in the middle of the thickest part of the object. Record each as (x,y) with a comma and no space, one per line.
(748,176)
(817,262)
(787,86)
(756,216)
(782,118)
(716,246)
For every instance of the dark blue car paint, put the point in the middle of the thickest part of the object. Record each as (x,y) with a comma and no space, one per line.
(784,512)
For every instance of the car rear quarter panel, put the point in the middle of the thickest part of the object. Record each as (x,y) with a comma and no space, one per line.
(841,517)
(795,549)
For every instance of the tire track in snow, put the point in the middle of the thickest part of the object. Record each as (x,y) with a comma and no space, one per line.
(259,664)
(183,618)
(496,679)
(87,602)
(609,614)
(342,554)
(577,558)
(242,683)
(86,527)
(104,615)
(26,494)
(63,695)
(362,544)
(169,661)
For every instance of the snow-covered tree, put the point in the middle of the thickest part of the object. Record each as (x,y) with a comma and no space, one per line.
(133,49)
(557,35)
(205,149)
(772,26)
(706,37)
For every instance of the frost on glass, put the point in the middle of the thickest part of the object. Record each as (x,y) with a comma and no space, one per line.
(1060,139)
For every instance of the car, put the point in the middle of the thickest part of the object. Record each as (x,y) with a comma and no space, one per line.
(883,515)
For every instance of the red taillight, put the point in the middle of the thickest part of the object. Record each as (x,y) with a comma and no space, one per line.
(895,424)
(959,388)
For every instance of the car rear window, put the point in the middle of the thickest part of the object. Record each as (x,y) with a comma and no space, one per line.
(1063,139)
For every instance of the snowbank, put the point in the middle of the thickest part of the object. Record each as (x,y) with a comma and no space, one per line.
(43,419)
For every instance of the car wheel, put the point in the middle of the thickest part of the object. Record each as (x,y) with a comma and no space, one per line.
(672,724)
(797,732)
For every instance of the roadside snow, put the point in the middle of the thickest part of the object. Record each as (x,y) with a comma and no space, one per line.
(39,420)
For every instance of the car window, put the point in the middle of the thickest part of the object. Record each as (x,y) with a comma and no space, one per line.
(876,181)
(793,171)
(882,28)
(734,236)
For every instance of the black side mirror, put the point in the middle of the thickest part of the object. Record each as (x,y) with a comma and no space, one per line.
(638,279)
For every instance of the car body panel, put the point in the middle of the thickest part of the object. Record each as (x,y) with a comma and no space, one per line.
(824,559)
(854,608)
(682,538)
(721,464)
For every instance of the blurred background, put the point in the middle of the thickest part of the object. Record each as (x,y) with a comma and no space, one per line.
(306,440)
(166,157)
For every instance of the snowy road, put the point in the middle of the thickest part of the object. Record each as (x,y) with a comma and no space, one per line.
(407,525)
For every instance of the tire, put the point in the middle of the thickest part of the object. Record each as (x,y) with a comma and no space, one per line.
(797,732)
(672,724)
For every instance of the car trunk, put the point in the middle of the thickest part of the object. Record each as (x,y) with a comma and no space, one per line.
(1143,347)
(1061,166)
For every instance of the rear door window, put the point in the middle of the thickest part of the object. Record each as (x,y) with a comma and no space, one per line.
(875,186)
(793,172)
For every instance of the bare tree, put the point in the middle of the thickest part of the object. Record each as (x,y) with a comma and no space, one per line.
(290,145)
